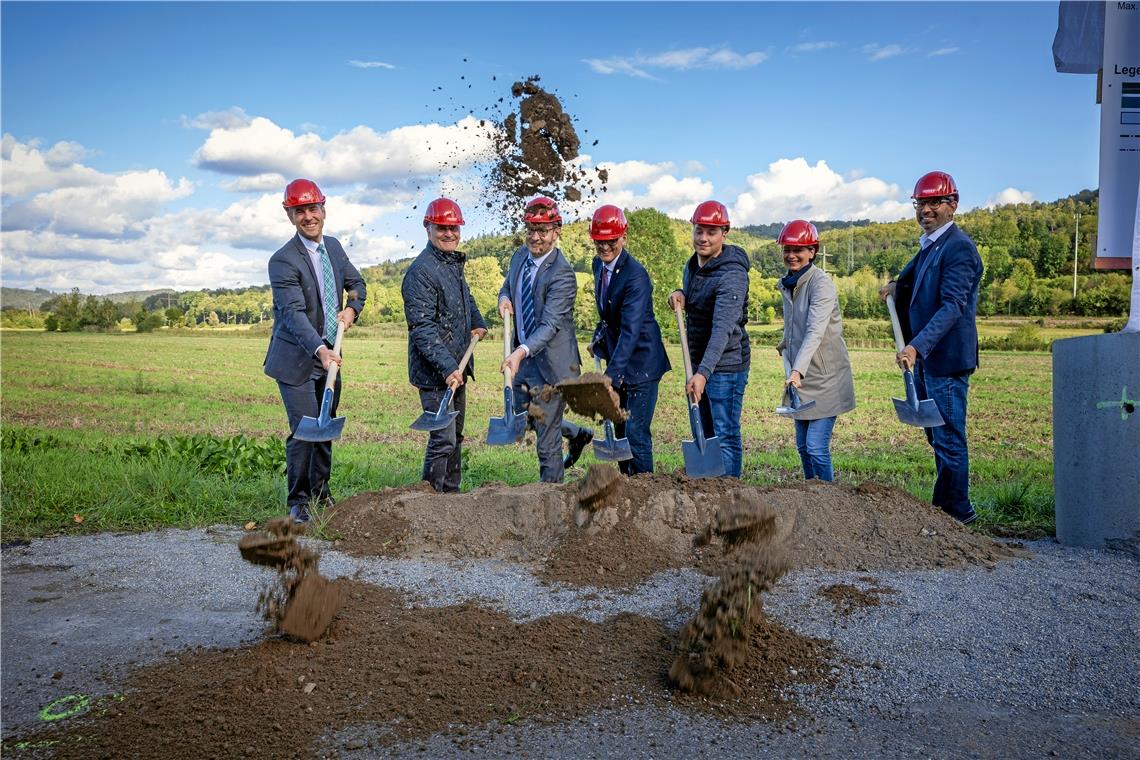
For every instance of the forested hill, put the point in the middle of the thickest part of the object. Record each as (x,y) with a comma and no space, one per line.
(1027,250)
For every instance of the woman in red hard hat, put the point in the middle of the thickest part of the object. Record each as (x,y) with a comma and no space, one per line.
(813,348)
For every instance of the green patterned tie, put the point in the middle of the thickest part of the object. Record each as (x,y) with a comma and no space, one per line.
(328,294)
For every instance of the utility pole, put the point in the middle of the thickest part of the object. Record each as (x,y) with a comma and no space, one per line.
(850,250)
(823,266)
(1076,236)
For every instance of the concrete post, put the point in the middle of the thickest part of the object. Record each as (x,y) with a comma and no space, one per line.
(1096,440)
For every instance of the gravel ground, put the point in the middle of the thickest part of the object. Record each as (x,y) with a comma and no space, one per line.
(1037,657)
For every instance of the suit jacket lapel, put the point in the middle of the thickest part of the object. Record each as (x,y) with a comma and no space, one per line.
(932,255)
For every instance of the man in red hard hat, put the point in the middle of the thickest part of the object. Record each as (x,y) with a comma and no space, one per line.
(937,298)
(442,319)
(627,335)
(310,276)
(714,295)
(539,290)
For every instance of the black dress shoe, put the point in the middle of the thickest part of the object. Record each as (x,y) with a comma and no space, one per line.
(577,445)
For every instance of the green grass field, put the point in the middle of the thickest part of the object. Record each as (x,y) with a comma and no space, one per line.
(89,397)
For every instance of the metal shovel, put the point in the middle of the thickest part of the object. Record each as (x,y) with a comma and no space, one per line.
(508,429)
(791,402)
(702,455)
(441,418)
(913,411)
(324,427)
(611,449)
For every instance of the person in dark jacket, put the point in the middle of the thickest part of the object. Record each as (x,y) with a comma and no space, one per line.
(309,275)
(937,298)
(442,319)
(627,335)
(714,295)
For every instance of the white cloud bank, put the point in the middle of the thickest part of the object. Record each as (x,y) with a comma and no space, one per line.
(639,65)
(1009,195)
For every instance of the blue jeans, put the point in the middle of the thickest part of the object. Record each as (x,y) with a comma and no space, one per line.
(720,410)
(813,441)
(951,455)
(641,401)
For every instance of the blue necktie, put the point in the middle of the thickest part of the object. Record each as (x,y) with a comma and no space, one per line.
(328,294)
(526,295)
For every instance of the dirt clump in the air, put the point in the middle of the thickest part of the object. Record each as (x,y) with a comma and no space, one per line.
(536,149)
(592,395)
(718,638)
(601,485)
(300,602)
(846,598)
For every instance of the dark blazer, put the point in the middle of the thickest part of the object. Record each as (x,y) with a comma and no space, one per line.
(628,336)
(937,293)
(554,344)
(298,316)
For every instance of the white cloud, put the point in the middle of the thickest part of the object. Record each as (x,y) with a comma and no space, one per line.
(26,169)
(682,59)
(792,188)
(1009,195)
(232,118)
(878,52)
(637,184)
(370,65)
(942,51)
(812,47)
(358,155)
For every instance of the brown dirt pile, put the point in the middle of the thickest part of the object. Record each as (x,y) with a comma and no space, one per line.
(409,673)
(301,602)
(601,486)
(718,638)
(823,525)
(592,395)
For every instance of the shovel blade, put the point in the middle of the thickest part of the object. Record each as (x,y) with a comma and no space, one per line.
(437,420)
(612,449)
(703,461)
(508,429)
(924,416)
(321,428)
(793,403)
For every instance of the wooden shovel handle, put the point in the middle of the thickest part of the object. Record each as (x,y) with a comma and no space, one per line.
(334,367)
(677,309)
(900,344)
(466,356)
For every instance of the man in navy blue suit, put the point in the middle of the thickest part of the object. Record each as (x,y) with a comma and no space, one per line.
(309,276)
(937,297)
(627,335)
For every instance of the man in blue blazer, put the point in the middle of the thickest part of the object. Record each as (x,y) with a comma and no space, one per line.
(539,290)
(627,335)
(309,276)
(937,297)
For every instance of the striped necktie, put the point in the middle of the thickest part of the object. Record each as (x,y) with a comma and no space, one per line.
(328,294)
(526,295)
(605,285)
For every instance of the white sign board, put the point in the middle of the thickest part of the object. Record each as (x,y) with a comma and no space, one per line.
(1119,135)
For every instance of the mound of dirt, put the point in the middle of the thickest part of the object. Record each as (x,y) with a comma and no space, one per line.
(412,672)
(656,519)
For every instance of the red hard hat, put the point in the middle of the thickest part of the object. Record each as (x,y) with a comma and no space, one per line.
(711,214)
(542,211)
(302,192)
(934,185)
(443,211)
(799,234)
(608,223)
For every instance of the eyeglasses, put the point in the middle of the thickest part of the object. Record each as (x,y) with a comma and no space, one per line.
(543,231)
(931,202)
(606,245)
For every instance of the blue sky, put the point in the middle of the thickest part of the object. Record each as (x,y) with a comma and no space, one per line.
(146,145)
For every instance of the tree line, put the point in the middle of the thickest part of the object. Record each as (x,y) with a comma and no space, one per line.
(1027,250)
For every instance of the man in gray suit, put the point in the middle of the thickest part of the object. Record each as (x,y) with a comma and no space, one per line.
(309,276)
(539,290)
